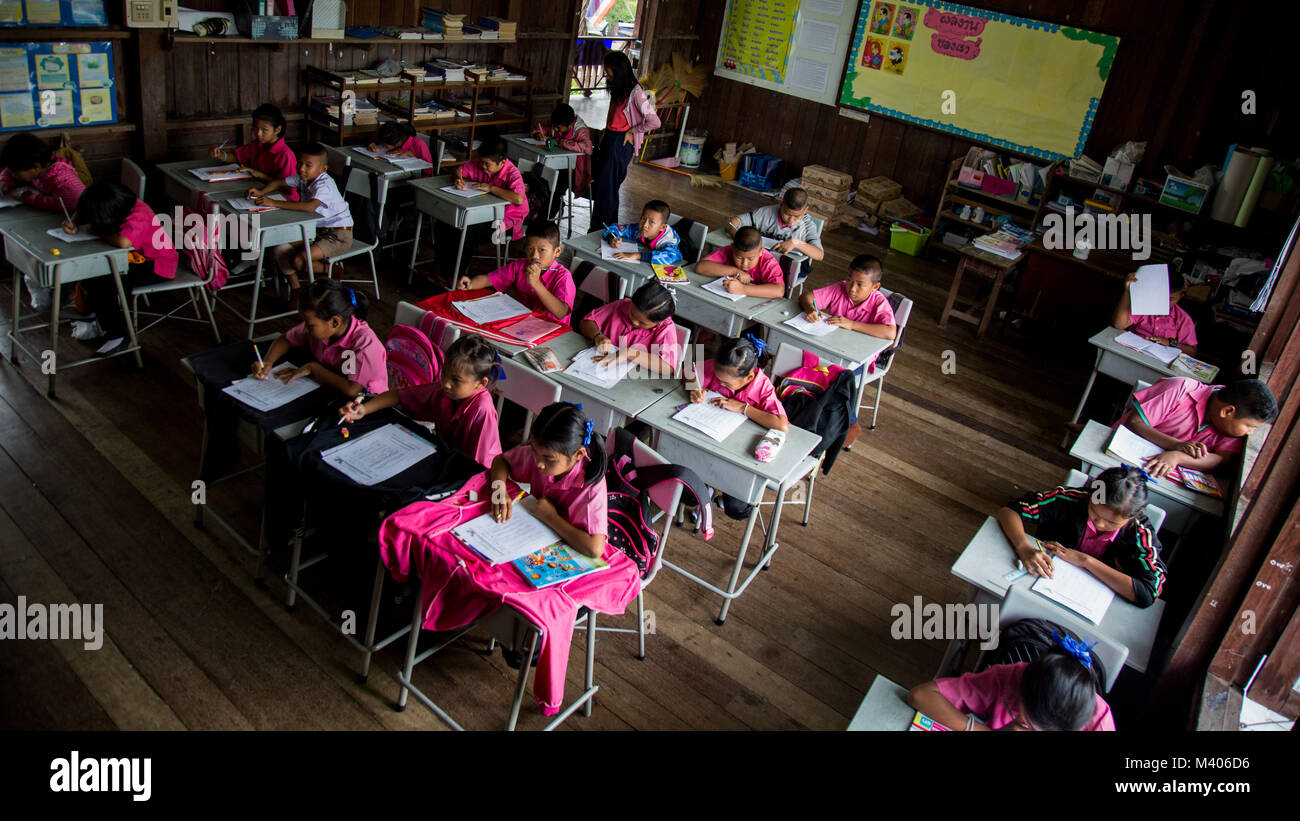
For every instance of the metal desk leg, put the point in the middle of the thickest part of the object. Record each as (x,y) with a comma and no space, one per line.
(54,327)
(257,286)
(1078,411)
(13,329)
(740,562)
(460,251)
(569,196)
(126,312)
(415,247)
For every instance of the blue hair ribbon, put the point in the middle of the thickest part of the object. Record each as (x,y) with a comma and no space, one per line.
(577,405)
(586,440)
(352,295)
(758,344)
(498,370)
(1145,476)
(1080,650)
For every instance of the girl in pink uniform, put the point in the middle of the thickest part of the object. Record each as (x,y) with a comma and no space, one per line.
(36,176)
(349,357)
(459,404)
(639,328)
(1175,328)
(564,465)
(268,157)
(400,140)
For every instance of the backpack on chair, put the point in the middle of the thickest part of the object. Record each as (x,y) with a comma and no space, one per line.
(412,359)
(74,158)
(819,398)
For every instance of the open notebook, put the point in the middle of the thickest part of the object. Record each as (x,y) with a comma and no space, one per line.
(500,542)
(1077,590)
(710,419)
(1164,353)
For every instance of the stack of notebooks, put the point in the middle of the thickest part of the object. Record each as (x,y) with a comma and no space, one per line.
(475,33)
(357,78)
(1005,242)
(450,26)
(448,71)
(366,113)
(408,33)
(505,30)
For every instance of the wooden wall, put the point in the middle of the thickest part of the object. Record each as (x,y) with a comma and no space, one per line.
(1177,84)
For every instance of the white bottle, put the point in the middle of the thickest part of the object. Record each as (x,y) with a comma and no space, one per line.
(979,214)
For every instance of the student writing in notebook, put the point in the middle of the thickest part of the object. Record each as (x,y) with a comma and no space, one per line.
(538,280)
(1200,426)
(1176,329)
(1057,691)
(564,465)
(350,359)
(856,303)
(488,171)
(400,140)
(268,157)
(638,329)
(789,222)
(458,403)
(571,134)
(37,177)
(749,268)
(1100,528)
(655,240)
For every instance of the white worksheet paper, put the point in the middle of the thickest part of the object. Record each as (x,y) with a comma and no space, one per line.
(532,141)
(1149,296)
(817,36)
(83,234)
(245,204)
(379,455)
(270,393)
(710,419)
(462,192)
(220,172)
(585,367)
(1163,353)
(502,542)
(9,201)
(717,287)
(491,308)
(410,163)
(803,326)
(1130,448)
(1077,590)
(365,150)
(608,251)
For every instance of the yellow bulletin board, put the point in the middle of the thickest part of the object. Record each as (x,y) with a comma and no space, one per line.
(791,46)
(1011,82)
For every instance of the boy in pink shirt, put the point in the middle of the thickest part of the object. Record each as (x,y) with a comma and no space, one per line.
(491,172)
(750,268)
(459,404)
(538,280)
(37,177)
(350,359)
(638,329)
(268,157)
(400,140)
(1175,329)
(572,134)
(564,466)
(856,304)
(1199,426)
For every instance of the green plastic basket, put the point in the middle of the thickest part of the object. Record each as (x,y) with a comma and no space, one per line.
(909,242)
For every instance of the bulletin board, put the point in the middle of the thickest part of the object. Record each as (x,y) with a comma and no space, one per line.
(791,46)
(53,13)
(56,85)
(1011,82)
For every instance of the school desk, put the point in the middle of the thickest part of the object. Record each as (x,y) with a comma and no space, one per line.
(379,179)
(273,228)
(606,407)
(714,311)
(453,210)
(587,247)
(884,707)
(721,239)
(987,559)
(186,189)
(977,261)
(52,263)
(518,148)
(1182,504)
(1123,363)
(729,467)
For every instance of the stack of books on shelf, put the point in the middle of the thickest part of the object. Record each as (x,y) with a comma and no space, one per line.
(1006,242)
(407,33)
(504,28)
(448,71)
(450,26)
(471,32)
(365,113)
(356,78)
(413,72)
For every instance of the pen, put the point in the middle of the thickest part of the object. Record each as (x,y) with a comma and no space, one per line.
(514,501)
(359,399)
(66,215)
(258,353)
(816,312)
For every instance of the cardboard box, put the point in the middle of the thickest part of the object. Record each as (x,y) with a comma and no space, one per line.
(1117,173)
(852,216)
(826,178)
(830,195)
(900,208)
(1184,194)
(879,189)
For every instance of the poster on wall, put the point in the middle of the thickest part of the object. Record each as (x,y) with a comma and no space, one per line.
(789,46)
(50,85)
(1011,82)
(756,38)
(53,13)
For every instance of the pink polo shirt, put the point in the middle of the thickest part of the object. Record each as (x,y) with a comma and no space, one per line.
(874,310)
(369,360)
(759,392)
(509,179)
(150,240)
(586,507)
(59,183)
(557,280)
(276,160)
(470,424)
(615,321)
(1177,324)
(995,695)
(767,271)
(419,148)
(1176,407)
(1094,543)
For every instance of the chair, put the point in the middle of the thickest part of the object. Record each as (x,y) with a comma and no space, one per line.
(1021,603)
(364,237)
(527,388)
(901,316)
(133,177)
(1155,513)
(196,282)
(598,284)
(795,276)
(697,234)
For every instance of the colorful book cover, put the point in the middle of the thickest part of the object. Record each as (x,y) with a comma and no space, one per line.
(1201,482)
(923,723)
(1195,368)
(669,273)
(555,564)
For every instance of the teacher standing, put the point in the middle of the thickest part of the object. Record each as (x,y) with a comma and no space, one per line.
(631,117)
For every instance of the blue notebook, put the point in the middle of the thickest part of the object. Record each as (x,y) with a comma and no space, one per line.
(556,563)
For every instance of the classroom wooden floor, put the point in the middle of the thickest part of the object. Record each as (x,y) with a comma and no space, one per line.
(95,506)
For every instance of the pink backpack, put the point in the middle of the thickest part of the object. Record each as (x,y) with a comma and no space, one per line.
(412,358)
(204,253)
(811,378)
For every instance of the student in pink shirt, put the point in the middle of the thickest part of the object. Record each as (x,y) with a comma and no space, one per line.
(1058,691)
(1176,329)
(400,140)
(459,404)
(538,280)
(349,357)
(114,213)
(491,172)
(856,303)
(749,267)
(36,176)
(268,157)
(1199,426)
(638,329)
(564,465)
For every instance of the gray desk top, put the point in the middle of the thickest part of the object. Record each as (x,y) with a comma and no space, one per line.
(632,395)
(745,307)
(559,158)
(383,168)
(587,247)
(20,213)
(432,186)
(884,707)
(840,343)
(1090,448)
(180,172)
(1105,340)
(989,557)
(31,234)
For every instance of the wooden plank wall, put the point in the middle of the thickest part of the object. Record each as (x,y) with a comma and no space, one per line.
(1177,84)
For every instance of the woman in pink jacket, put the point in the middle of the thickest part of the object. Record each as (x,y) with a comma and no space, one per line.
(631,117)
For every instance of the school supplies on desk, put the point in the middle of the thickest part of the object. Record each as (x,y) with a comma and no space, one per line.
(491,308)
(410,163)
(585,367)
(1195,368)
(923,723)
(270,393)
(1165,353)
(543,359)
(532,141)
(555,564)
(801,324)
(531,329)
(669,273)
(770,445)
(718,286)
(220,173)
(245,204)
(710,419)
(608,251)
(1077,590)
(500,542)
(379,455)
(1201,482)
(83,234)
(462,192)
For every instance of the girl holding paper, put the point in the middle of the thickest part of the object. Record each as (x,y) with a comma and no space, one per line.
(1175,329)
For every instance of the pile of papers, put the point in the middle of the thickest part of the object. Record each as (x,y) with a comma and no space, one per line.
(1165,353)
(1005,242)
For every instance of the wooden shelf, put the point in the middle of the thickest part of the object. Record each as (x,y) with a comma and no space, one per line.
(184,38)
(952,215)
(23,34)
(106,130)
(1081,181)
(980,192)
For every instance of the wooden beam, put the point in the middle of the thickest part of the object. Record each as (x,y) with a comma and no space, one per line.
(148,87)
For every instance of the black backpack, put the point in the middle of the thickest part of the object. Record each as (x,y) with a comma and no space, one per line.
(1027,639)
(826,414)
(538,193)
(685,244)
(629,501)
